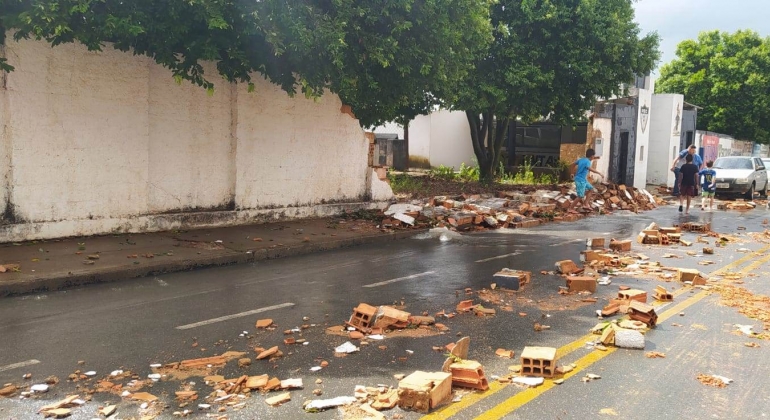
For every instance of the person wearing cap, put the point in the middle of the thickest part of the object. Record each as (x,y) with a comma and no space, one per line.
(679,161)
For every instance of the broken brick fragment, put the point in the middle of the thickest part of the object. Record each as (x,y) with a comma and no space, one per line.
(267,353)
(581,283)
(620,246)
(264,323)
(568,267)
(465,306)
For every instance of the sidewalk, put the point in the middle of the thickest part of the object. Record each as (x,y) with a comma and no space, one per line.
(58,264)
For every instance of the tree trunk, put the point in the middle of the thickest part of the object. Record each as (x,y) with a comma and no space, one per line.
(406,144)
(487,135)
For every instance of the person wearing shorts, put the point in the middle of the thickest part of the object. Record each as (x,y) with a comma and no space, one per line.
(708,186)
(581,168)
(688,182)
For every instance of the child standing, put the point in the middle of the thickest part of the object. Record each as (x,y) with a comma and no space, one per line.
(709,185)
(687,185)
(581,168)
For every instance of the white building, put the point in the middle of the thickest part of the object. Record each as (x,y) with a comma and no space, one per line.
(672,130)
(619,131)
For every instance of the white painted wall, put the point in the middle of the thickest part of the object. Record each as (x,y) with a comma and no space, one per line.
(296,151)
(441,137)
(419,137)
(450,139)
(643,156)
(603,126)
(191,149)
(98,142)
(5,145)
(664,138)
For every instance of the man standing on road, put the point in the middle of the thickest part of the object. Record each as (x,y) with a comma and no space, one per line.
(679,161)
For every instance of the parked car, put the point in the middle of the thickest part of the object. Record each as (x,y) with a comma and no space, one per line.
(741,175)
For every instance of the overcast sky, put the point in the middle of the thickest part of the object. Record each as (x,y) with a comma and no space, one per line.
(678,20)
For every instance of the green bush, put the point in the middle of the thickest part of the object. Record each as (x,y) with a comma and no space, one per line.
(446,173)
(526,176)
(468,173)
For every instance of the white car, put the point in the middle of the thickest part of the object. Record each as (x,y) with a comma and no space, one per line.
(741,175)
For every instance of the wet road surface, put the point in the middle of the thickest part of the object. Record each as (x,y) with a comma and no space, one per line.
(132,324)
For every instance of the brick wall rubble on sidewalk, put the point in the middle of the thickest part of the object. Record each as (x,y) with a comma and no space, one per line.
(510,209)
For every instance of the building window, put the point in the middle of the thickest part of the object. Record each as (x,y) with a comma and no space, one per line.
(641,154)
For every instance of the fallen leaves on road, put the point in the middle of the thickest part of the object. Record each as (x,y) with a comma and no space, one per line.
(711,381)
(608,411)
(654,355)
(753,306)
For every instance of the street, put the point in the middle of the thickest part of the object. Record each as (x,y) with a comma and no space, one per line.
(132,324)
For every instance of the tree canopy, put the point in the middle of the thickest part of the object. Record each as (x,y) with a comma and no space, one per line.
(728,75)
(383,57)
(549,58)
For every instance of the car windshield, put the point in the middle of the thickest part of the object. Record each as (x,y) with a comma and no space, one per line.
(733,164)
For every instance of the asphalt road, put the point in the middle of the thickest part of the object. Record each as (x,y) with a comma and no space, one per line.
(132,324)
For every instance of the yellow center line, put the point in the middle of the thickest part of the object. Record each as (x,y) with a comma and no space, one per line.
(521,398)
(495,387)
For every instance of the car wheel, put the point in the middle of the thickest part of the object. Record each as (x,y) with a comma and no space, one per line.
(763,193)
(750,192)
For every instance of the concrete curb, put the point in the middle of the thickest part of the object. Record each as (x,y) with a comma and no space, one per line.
(59,282)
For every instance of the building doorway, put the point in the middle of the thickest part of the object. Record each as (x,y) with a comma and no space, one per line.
(622,173)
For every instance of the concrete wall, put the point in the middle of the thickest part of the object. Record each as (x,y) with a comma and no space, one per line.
(689,122)
(601,129)
(450,139)
(5,147)
(643,156)
(440,138)
(99,142)
(419,141)
(625,121)
(665,137)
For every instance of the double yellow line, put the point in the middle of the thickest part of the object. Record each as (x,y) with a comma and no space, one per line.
(523,397)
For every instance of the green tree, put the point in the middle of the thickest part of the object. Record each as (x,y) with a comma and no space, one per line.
(383,57)
(729,76)
(549,58)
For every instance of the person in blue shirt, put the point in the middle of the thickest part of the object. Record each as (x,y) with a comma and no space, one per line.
(679,161)
(709,177)
(581,168)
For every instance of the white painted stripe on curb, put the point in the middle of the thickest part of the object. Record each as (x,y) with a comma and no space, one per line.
(20,365)
(233,316)
(498,257)
(413,276)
